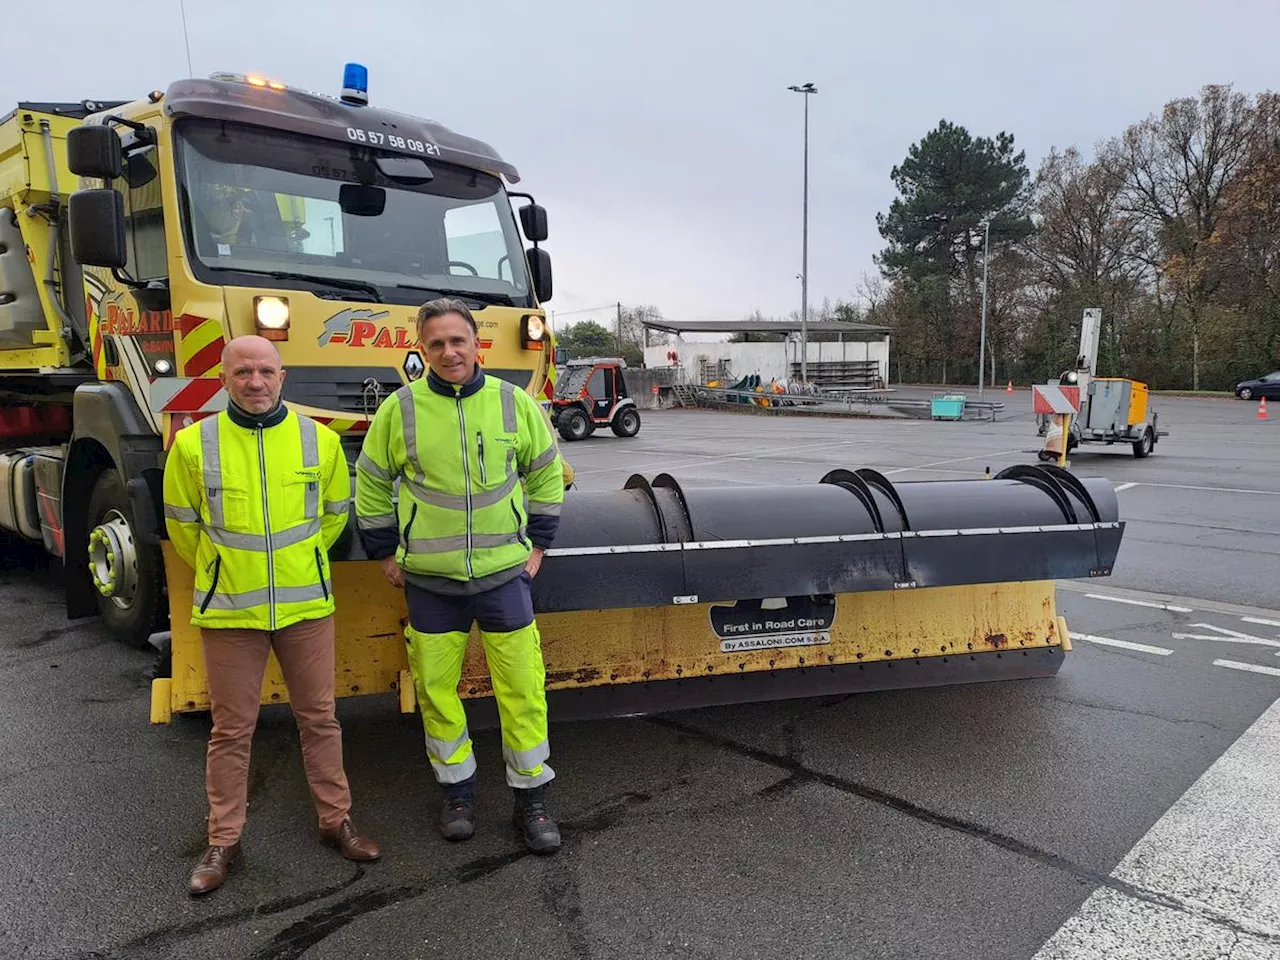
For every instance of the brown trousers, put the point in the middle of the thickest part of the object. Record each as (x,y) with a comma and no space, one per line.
(235,661)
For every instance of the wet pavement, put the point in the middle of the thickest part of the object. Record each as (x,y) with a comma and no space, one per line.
(990,820)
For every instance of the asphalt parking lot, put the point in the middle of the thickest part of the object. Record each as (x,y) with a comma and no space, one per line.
(1124,808)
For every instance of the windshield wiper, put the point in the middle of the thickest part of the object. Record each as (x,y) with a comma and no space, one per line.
(340,283)
(501,299)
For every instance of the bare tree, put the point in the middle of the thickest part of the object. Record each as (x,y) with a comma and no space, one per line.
(1177,168)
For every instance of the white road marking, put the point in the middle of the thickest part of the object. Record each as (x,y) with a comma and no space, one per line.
(1205,880)
(943,463)
(1200,604)
(1261,620)
(1125,486)
(1123,644)
(701,459)
(1251,667)
(1226,636)
(1140,603)
(1188,486)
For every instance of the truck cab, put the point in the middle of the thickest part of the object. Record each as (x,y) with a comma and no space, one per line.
(137,238)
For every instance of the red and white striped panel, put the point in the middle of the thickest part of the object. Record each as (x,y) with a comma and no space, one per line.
(187,395)
(1055,399)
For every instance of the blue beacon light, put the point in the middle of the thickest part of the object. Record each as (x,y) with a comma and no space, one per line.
(355,84)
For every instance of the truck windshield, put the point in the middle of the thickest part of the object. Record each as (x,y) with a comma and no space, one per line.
(260,202)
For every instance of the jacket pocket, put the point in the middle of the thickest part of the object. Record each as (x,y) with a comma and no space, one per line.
(217,571)
(297,494)
(484,470)
(320,571)
(519,524)
(237,509)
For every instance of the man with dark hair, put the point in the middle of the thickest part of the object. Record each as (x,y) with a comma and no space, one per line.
(481,485)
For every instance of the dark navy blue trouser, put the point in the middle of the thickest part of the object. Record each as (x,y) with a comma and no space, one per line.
(500,610)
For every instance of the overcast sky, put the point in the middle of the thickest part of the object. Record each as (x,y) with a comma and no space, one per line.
(661,137)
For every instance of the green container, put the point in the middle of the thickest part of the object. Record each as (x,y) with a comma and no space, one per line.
(948,407)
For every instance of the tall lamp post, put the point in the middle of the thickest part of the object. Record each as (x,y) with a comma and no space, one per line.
(982,340)
(806,89)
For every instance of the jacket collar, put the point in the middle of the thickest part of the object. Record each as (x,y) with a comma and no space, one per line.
(456,391)
(252,421)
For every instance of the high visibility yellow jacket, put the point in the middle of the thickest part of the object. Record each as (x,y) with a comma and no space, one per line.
(460,453)
(253,504)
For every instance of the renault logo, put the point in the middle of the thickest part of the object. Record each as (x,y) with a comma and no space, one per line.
(413,365)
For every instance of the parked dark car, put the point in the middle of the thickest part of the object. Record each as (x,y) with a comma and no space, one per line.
(1268,386)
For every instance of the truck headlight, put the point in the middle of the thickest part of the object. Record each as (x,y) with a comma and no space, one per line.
(271,316)
(532,332)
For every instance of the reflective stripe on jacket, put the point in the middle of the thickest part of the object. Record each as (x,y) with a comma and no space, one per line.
(460,453)
(254,511)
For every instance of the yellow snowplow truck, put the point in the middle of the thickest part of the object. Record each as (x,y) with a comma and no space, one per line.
(136,237)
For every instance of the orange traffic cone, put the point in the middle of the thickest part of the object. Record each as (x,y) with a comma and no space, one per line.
(1009,389)
(1262,408)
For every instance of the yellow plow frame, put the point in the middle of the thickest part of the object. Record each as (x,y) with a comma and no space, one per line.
(619,661)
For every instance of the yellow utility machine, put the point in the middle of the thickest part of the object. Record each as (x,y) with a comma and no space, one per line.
(136,237)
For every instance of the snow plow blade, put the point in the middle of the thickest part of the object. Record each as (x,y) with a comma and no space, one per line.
(658,597)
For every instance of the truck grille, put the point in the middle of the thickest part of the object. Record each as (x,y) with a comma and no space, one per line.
(353,390)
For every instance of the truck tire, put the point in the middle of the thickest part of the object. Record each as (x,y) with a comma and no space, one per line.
(126,571)
(626,423)
(1144,445)
(574,424)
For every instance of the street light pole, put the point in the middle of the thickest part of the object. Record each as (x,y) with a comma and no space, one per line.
(982,342)
(806,89)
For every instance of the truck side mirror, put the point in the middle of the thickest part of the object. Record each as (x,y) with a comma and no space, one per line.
(94,152)
(96,218)
(534,220)
(540,273)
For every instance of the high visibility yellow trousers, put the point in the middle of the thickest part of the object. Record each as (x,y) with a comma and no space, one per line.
(516,667)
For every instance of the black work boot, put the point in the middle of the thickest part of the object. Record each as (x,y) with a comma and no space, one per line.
(541,835)
(457,810)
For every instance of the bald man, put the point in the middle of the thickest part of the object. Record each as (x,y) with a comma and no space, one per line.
(254,497)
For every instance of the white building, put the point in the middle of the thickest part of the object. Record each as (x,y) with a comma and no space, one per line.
(850,354)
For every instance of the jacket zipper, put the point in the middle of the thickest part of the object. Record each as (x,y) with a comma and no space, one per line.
(320,570)
(519,522)
(413,513)
(217,570)
(266,518)
(480,450)
(466,473)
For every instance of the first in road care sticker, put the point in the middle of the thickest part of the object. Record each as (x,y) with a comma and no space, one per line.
(769,624)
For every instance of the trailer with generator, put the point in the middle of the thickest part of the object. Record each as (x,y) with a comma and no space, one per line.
(1107,410)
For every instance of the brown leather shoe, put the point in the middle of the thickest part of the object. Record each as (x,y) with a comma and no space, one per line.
(212,868)
(351,844)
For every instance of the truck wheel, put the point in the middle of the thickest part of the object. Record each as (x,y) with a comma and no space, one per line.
(627,422)
(125,571)
(1142,447)
(574,425)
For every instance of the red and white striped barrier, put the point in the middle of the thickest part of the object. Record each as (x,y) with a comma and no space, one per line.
(1055,399)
